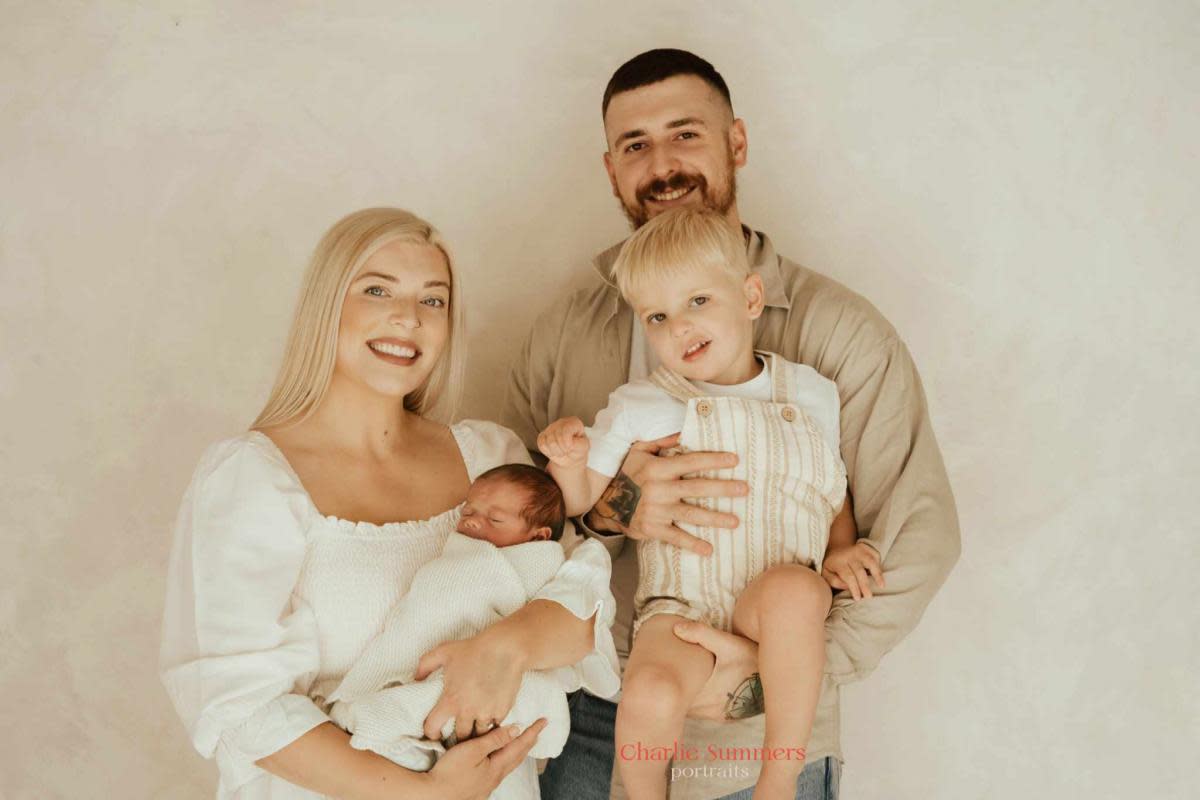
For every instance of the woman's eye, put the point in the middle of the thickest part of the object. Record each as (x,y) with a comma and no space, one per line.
(699,301)
(654,319)
(375,291)
(434,302)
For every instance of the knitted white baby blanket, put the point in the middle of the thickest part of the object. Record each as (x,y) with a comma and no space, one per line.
(470,586)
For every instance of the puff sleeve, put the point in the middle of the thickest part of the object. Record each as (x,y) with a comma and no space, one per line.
(238,649)
(582,583)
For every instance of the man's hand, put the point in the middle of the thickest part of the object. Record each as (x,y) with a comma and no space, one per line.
(646,498)
(848,568)
(733,690)
(565,442)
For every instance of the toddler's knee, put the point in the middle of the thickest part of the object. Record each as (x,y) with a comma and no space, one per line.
(794,589)
(652,692)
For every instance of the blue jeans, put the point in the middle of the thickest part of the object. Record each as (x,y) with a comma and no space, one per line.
(584,769)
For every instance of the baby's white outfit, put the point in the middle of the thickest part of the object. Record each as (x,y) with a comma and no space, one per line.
(270,603)
(471,585)
(783,424)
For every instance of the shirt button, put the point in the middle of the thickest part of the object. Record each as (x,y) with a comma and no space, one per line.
(788,413)
(704,408)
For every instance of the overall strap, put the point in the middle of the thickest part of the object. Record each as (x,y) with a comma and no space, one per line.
(674,384)
(779,384)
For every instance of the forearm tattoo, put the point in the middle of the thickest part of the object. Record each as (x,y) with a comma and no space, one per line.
(746,700)
(620,499)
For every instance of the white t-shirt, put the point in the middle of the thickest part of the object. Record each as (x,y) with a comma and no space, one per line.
(639,411)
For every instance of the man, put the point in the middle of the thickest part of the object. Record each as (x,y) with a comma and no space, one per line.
(673,140)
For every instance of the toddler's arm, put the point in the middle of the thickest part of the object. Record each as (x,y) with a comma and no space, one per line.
(848,560)
(566,445)
(842,533)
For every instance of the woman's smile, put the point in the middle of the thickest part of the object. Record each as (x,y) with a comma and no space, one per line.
(395,351)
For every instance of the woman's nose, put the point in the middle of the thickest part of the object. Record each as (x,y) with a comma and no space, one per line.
(404,314)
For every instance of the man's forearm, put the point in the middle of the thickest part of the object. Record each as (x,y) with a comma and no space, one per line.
(902,497)
(614,510)
(923,551)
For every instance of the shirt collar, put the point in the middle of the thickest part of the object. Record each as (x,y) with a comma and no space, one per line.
(759,250)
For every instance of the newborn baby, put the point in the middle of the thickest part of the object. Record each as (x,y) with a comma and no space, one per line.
(506,547)
(513,504)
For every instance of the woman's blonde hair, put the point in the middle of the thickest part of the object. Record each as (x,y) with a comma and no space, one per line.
(679,241)
(311,350)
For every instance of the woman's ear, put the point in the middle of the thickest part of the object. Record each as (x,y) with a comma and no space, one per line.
(755,296)
(540,534)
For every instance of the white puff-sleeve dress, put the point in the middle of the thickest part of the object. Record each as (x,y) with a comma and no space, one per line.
(269,602)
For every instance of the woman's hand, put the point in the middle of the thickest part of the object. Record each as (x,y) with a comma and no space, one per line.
(733,690)
(471,770)
(481,675)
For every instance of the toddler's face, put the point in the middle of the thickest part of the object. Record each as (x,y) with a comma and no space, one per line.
(701,323)
(492,512)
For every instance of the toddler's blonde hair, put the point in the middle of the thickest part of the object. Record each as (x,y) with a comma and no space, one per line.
(676,242)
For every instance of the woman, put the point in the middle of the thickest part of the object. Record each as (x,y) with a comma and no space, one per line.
(296,538)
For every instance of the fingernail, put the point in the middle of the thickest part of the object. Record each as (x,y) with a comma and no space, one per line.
(513,730)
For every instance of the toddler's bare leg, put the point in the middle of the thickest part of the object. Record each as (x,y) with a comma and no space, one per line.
(663,676)
(784,610)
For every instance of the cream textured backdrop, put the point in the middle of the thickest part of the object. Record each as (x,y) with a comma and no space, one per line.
(1010,182)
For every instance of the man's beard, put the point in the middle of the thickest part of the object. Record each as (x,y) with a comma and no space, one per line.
(719,199)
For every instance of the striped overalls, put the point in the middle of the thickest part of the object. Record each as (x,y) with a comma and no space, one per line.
(797,484)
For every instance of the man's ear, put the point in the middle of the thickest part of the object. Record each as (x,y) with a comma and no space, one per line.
(755,295)
(541,534)
(612,175)
(738,144)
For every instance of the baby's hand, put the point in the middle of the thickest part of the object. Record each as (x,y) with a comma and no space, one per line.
(847,568)
(564,442)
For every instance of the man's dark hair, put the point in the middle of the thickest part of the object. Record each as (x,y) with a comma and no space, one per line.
(653,66)
(545,506)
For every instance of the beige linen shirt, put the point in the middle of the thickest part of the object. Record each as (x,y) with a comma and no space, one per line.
(579,351)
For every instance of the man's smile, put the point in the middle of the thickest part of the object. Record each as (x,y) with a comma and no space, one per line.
(667,197)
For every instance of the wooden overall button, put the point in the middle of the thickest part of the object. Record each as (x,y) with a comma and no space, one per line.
(788,413)
(704,408)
